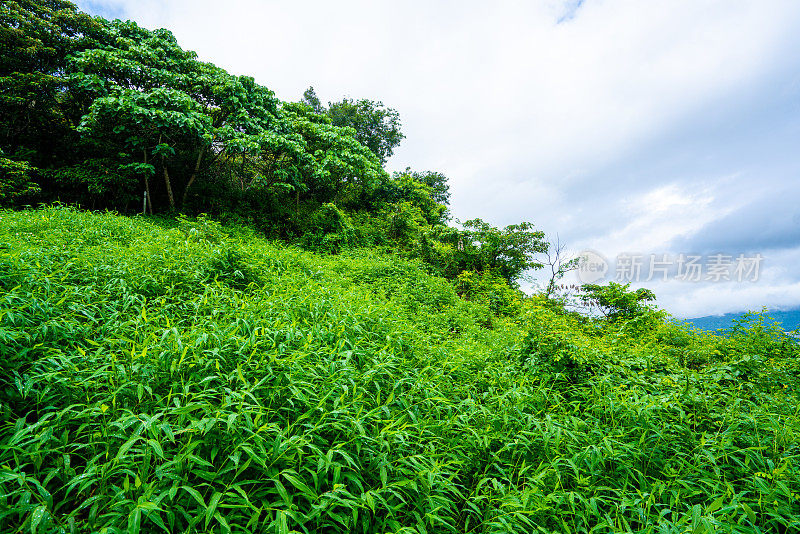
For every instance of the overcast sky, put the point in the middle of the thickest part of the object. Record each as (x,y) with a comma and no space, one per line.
(626,127)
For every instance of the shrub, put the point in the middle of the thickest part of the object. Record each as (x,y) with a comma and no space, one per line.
(16,182)
(329,230)
(553,344)
(490,289)
(406,221)
(753,340)
(616,302)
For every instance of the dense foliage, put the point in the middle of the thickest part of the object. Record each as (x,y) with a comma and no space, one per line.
(292,339)
(101,108)
(184,376)
(106,114)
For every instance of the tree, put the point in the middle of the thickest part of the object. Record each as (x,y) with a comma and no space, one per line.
(436,182)
(558,264)
(154,103)
(616,301)
(403,187)
(507,252)
(377,127)
(94,110)
(151,123)
(311,100)
(140,105)
(343,169)
(16,182)
(38,111)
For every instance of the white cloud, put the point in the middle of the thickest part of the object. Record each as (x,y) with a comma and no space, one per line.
(600,127)
(718,299)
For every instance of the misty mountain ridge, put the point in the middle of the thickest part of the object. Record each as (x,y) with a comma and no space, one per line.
(788,319)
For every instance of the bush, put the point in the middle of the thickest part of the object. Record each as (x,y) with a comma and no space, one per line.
(552,345)
(202,229)
(17,184)
(616,301)
(755,335)
(329,230)
(405,221)
(491,290)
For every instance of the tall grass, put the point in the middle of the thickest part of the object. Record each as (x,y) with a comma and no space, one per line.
(179,376)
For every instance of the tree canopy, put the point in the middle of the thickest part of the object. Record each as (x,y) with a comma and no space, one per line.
(376,126)
(101,113)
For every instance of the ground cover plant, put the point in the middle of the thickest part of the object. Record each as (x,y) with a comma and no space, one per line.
(178,375)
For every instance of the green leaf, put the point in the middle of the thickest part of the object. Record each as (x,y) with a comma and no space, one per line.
(299,484)
(283,526)
(716,505)
(196,494)
(36,517)
(212,507)
(282,492)
(125,447)
(135,522)
(384,477)
(222,522)
(750,514)
(156,448)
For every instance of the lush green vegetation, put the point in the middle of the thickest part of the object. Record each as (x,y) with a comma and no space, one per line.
(98,112)
(174,376)
(321,351)
(108,115)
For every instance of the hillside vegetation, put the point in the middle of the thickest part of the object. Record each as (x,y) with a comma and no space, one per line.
(164,375)
(258,328)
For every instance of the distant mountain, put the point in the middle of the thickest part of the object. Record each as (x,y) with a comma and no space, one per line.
(788,319)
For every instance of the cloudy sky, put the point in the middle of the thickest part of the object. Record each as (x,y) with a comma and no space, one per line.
(628,127)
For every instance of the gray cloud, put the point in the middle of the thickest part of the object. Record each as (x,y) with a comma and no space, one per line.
(768,223)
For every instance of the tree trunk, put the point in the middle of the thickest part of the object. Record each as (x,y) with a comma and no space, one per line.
(149,196)
(169,186)
(193,177)
(147,187)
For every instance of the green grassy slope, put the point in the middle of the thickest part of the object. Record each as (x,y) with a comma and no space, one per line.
(173,377)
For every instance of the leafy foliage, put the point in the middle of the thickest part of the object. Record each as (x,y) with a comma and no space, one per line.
(143,118)
(490,289)
(161,375)
(409,187)
(16,182)
(507,252)
(377,127)
(80,91)
(616,302)
(434,180)
(184,375)
(311,99)
(38,110)
(329,230)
